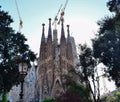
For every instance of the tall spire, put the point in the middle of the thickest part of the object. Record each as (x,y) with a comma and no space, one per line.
(43,33)
(62,30)
(49,40)
(42,45)
(69,52)
(49,30)
(68,31)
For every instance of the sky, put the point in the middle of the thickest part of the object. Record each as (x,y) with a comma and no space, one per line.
(81,15)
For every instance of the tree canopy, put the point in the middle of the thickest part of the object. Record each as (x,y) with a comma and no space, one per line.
(13,49)
(106,45)
(88,70)
(114,6)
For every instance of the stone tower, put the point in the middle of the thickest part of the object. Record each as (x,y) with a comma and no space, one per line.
(54,62)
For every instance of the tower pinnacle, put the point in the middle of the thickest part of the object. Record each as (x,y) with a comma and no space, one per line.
(62,30)
(43,33)
(68,31)
(49,31)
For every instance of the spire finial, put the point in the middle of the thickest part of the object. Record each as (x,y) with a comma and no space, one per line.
(68,26)
(62,29)
(43,35)
(43,24)
(43,27)
(50,21)
(49,31)
(68,31)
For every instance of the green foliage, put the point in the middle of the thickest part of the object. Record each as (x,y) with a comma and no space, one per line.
(80,90)
(106,24)
(111,99)
(13,49)
(87,62)
(106,46)
(118,94)
(4,97)
(75,93)
(103,99)
(113,6)
(114,98)
(88,69)
(49,100)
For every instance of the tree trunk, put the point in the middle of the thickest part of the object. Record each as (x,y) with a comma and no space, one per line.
(98,84)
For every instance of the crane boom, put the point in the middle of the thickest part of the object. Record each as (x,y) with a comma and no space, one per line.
(20,20)
(63,12)
(56,17)
(65,4)
(59,10)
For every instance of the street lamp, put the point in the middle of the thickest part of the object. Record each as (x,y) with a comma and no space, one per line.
(23,72)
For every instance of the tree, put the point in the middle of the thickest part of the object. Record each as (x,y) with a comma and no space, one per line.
(69,97)
(111,98)
(13,49)
(88,70)
(75,93)
(106,44)
(114,6)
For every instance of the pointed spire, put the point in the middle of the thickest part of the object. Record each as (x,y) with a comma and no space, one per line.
(68,31)
(49,31)
(62,30)
(43,33)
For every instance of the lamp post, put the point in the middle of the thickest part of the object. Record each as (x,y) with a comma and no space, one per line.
(23,72)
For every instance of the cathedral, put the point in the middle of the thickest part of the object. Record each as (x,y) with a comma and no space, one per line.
(55,60)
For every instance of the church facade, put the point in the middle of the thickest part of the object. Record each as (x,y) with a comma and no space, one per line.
(55,60)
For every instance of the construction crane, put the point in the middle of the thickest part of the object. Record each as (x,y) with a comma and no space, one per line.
(56,17)
(20,19)
(63,12)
